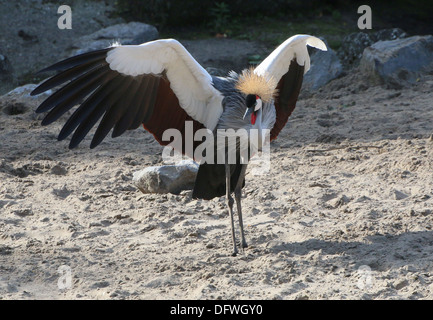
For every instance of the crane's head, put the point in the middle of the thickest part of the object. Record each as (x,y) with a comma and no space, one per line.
(258,89)
(254,104)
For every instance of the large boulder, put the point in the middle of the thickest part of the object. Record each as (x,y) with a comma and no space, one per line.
(124,33)
(325,66)
(353,45)
(398,63)
(167,178)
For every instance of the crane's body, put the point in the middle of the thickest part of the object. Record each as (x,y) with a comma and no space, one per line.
(160,85)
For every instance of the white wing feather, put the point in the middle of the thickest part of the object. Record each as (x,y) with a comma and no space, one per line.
(278,62)
(191,83)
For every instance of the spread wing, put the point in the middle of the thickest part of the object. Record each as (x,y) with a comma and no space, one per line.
(157,84)
(287,65)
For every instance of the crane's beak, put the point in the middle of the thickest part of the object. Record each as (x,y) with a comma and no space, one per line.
(250,113)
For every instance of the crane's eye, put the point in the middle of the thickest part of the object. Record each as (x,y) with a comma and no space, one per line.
(258,104)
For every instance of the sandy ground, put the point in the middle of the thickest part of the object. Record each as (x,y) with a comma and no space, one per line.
(345,212)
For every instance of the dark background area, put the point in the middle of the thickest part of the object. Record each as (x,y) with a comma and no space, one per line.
(415,17)
(30,38)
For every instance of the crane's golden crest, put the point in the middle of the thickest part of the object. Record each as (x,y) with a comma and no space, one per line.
(261,85)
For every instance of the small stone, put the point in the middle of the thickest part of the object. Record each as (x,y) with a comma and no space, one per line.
(5,250)
(400,284)
(23,212)
(302,297)
(339,201)
(58,170)
(398,195)
(100,284)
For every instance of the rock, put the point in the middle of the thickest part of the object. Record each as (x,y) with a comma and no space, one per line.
(398,195)
(400,284)
(62,193)
(23,212)
(353,45)
(398,63)
(339,201)
(168,178)
(124,33)
(389,34)
(19,101)
(5,250)
(325,66)
(100,284)
(59,170)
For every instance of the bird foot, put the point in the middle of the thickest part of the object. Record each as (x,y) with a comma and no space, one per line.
(235,250)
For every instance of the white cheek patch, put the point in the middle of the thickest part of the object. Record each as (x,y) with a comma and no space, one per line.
(258,104)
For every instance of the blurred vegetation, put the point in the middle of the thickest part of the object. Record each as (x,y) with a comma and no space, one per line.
(198,13)
(221,17)
(261,20)
(272,21)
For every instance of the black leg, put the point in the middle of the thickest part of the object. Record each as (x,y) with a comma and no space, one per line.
(230,201)
(238,195)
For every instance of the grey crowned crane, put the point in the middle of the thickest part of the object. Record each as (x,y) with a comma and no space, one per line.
(160,86)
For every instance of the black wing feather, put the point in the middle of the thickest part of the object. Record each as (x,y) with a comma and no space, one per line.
(67,75)
(148,103)
(87,106)
(133,121)
(90,117)
(114,112)
(110,99)
(134,103)
(97,55)
(76,97)
(71,88)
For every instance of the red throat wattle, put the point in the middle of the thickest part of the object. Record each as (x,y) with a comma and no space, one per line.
(253,117)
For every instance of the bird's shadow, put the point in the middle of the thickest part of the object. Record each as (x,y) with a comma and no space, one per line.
(379,252)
